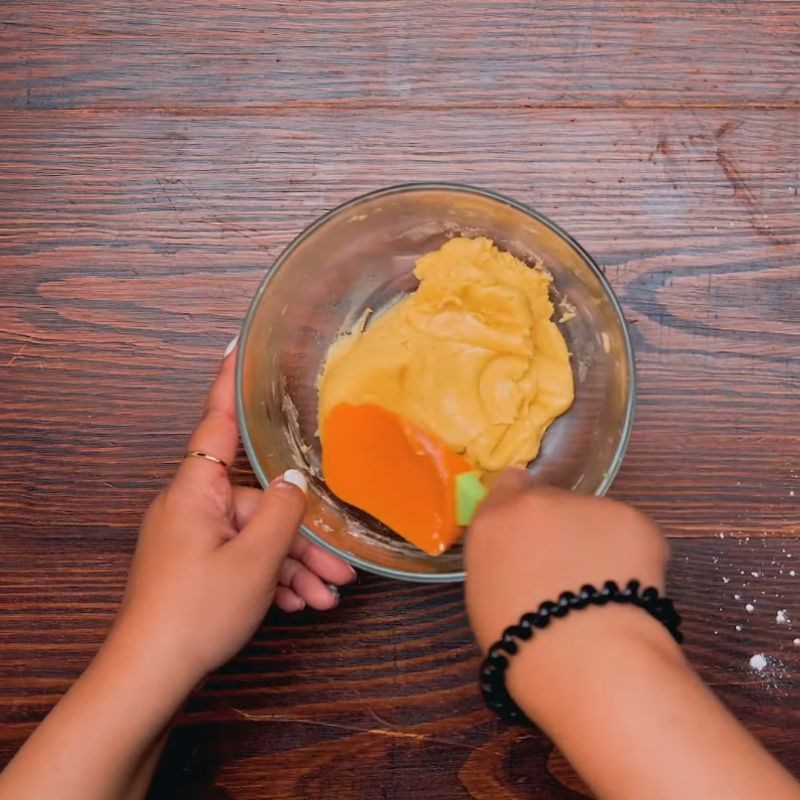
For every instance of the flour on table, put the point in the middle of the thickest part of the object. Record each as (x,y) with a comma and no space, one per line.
(758,662)
(768,669)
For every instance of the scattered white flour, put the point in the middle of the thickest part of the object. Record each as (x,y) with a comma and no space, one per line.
(755,574)
(737,597)
(726,580)
(758,662)
(782,617)
(769,670)
(749,608)
(738,627)
(721,535)
(791,492)
(796,642)
(792,572)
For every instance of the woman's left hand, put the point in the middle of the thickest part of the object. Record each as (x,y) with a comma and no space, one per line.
(212,557)
(210,561)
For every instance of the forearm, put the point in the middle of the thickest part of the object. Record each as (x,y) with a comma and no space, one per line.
(143,777)
(101,741)
(615,694)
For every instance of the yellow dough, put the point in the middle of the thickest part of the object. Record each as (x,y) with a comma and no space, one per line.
(472,355)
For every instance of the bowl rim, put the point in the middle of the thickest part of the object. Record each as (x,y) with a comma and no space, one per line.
(630,404)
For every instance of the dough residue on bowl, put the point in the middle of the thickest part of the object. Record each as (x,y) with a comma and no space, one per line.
(472,355)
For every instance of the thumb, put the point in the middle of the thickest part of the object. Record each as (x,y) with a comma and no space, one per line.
(266,539)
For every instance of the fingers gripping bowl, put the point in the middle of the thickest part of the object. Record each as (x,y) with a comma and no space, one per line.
(360,257)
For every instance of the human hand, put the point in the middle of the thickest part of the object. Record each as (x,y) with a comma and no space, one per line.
(212,558)
(609,685)
(526,545)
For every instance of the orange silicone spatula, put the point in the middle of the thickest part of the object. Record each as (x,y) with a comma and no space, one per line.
(403,475)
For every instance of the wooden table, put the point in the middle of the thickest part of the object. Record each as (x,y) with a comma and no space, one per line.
(154,159)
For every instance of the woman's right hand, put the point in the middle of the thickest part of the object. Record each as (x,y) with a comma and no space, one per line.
(608,684)
(527,545)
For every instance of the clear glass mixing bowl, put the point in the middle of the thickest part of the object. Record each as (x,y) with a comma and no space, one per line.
(361,256)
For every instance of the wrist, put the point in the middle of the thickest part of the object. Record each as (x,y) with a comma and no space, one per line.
(137,660)
(566,664)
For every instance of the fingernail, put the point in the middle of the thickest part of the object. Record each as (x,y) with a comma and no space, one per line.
(231,344)
(296,478)
(353,572)
(334,590)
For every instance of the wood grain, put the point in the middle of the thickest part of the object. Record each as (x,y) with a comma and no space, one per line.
(131,263)
(156,157)
(368,53)
(326,705)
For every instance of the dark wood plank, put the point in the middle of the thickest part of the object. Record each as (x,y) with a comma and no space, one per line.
(380,694)
(354,54)
(155,157)
(131,245)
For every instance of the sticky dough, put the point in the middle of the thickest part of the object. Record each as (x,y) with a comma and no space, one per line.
(472,355)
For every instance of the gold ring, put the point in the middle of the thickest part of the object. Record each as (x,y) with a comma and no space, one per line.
(207,457)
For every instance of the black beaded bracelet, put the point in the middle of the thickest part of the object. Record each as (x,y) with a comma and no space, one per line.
(493,668)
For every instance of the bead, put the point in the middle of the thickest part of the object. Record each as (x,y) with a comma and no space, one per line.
(543,614)
(587,593)
(570,597)
(659,610)
(528,620)
(561,608)
(649,595)
(497,657)
(611,590)
(580,601)
(509,644)
(493,684)
(670,617)
(665,604)
(522,632)
(600,598)
(632,589)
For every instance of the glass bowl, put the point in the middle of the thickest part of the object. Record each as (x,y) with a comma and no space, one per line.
(360,256)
